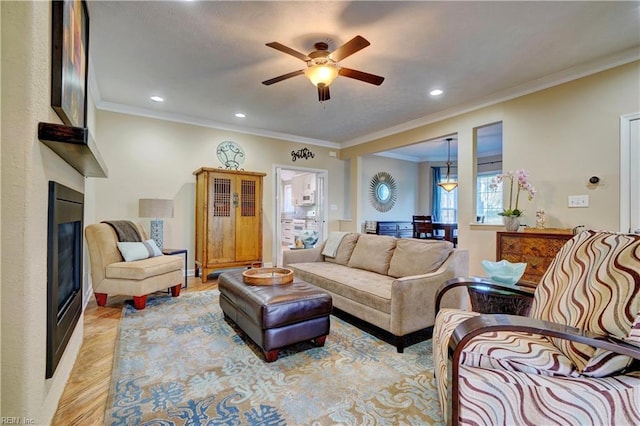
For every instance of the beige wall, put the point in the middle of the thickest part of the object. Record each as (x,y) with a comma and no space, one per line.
(27,166)
(149,158)
(560,135)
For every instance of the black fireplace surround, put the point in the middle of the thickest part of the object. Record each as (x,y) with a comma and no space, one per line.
(64,269)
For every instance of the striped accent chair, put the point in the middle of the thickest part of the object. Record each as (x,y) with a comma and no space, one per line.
(575,360)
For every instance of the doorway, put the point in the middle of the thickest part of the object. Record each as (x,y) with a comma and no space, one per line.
(300,208)
(629,173)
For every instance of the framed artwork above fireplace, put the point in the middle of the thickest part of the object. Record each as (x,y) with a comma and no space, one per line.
(70,60)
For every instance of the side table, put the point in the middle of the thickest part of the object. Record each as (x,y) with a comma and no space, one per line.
(489,300)
(172,251)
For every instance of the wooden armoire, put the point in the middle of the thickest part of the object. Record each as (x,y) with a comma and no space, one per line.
(228,219)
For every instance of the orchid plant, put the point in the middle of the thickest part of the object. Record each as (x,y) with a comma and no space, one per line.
(520,178)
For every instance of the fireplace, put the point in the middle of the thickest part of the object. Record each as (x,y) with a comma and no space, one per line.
(64,269)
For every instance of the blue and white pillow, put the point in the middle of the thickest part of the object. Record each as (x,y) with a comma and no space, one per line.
(138,250)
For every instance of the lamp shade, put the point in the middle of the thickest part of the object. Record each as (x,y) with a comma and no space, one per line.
(448,186)
(155,207)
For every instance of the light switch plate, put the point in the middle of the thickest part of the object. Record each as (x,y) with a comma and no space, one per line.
(578,201)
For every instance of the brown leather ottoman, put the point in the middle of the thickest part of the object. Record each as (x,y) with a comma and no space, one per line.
(277,315)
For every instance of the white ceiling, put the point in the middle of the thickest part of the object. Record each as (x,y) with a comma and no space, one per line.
(208,59)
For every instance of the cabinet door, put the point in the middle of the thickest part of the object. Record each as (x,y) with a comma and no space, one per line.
(310,182)
(297,188)
(248,208)
(221,230)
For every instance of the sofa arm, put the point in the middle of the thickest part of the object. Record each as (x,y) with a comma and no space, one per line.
(488,323)
(413,297)
(302,255)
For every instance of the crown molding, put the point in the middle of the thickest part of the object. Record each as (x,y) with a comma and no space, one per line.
(555,79)
(196,121)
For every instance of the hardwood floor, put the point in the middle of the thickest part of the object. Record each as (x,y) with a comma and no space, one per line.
(85,395)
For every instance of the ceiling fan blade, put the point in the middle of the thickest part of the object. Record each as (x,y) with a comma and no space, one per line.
(289,51)
(362,76)
(282,77)
(349,48)
(323,93)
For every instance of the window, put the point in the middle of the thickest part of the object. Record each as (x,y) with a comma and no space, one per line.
(488,147)
(488,201)
(448,212)
(288,202)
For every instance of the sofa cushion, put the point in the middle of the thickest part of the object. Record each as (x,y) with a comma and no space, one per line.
(345,249)
(373,253)
(367,288)
(418,257)
(604,363)
(517,351)
(142,269)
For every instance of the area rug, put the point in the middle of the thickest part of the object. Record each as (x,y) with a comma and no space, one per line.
(180,362)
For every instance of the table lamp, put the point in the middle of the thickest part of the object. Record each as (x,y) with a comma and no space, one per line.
(157,209)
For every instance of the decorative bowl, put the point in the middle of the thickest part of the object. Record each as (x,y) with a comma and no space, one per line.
(267,276)
(309,238)
(504,272)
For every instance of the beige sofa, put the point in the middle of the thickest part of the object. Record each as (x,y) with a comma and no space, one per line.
(385,281)
(110,274)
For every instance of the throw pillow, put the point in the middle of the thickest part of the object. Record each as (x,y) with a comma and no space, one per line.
(138,251)
(345,249)
(418,257)
(605,363)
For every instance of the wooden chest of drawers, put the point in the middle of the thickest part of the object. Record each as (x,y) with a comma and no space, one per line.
(536,249)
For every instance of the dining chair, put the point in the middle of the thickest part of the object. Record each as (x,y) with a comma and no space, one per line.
(423,228)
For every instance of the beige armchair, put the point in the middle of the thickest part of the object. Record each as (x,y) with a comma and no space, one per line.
(574,360)
(110,274)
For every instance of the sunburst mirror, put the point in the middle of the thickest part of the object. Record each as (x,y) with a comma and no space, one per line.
(383,191)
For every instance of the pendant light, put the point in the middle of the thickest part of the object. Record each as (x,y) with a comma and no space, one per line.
(448,185)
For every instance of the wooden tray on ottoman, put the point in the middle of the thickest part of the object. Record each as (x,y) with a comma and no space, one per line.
(267,276)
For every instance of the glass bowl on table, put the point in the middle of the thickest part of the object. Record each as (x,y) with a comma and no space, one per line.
(503,271)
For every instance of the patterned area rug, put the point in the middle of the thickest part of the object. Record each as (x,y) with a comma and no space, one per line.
(179,362)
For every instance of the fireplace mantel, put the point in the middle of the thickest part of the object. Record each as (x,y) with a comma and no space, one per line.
(76,146)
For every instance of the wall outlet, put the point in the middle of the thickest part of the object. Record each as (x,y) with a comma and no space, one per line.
(578,201)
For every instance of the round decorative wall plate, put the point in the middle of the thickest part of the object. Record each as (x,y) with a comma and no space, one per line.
(230,154)
(383,191)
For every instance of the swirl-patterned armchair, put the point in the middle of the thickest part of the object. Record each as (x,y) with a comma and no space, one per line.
(575,360)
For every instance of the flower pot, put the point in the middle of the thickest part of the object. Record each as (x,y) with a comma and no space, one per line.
(511,223)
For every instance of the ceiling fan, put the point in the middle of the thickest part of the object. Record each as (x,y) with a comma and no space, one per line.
(322,65)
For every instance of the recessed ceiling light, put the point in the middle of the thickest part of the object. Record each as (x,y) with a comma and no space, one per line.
(436,92)
(240,115)
(157,99)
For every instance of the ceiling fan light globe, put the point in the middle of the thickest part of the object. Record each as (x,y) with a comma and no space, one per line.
(324,74)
